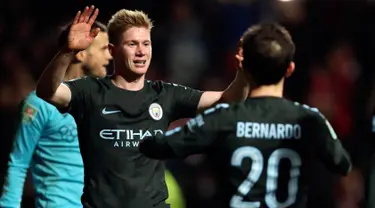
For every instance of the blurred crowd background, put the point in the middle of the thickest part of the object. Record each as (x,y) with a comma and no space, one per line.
(194,42)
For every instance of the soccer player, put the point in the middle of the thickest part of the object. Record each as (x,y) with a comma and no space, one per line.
(113,114)
(47,140)
(266,144)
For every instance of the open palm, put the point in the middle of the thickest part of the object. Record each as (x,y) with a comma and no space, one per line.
(80,35)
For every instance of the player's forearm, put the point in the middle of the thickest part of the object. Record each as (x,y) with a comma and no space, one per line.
(237,90)
(54,74)
(11,195)
(156,150)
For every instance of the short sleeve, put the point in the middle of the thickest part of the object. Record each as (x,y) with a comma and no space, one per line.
(328,146)
(80,92)
(185,101)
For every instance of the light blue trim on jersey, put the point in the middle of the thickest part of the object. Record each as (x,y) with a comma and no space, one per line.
(315,110)
(46,142)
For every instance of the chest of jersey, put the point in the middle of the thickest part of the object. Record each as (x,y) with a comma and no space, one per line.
(122,119)
(60,131)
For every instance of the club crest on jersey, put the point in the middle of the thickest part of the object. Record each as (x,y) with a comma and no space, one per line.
(155,110)
(29,113)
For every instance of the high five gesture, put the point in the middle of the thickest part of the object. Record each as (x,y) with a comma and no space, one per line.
(81,35)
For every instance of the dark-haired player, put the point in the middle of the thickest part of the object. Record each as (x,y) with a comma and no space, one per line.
(266,144)
(47,140)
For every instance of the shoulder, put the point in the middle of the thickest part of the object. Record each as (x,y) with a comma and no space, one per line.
(155,84)
(315,118)
(216,117)
(84,79)
(159,84)
(88,83)
(309,111)
(88,79)
(35,107)
(221,110)
(33,101)
(169,86)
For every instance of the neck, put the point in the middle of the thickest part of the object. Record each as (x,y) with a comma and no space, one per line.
(74,71)
(124,82)
(268,90)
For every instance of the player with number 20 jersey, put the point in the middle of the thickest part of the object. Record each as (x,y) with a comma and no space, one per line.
(266,145)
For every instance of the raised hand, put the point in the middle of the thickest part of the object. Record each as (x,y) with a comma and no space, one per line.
(81,35)
(239,55)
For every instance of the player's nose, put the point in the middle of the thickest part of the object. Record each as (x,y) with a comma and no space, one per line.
(140,54)
(140,51)
(108,56)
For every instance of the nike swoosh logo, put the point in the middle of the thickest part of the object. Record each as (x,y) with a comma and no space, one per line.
(105,112)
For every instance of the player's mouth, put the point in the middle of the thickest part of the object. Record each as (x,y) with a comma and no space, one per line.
(139,63)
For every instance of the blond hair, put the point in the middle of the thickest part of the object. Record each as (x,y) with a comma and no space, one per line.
(125,19)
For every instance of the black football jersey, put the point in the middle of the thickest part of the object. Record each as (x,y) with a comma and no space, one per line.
(265,147)
(111,123)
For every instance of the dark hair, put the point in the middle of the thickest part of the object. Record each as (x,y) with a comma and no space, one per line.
(268,50)
(64,34)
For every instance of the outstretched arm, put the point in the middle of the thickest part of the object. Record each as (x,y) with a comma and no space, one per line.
(195,137)
(49,85)
(236,91)
(80,37)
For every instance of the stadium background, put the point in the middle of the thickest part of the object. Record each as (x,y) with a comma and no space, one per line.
(193,44)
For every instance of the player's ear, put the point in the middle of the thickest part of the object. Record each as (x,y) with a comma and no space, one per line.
(81,56)
(240,47)
(111,49)
(290,69)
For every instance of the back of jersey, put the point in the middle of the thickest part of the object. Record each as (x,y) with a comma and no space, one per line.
(269,144)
